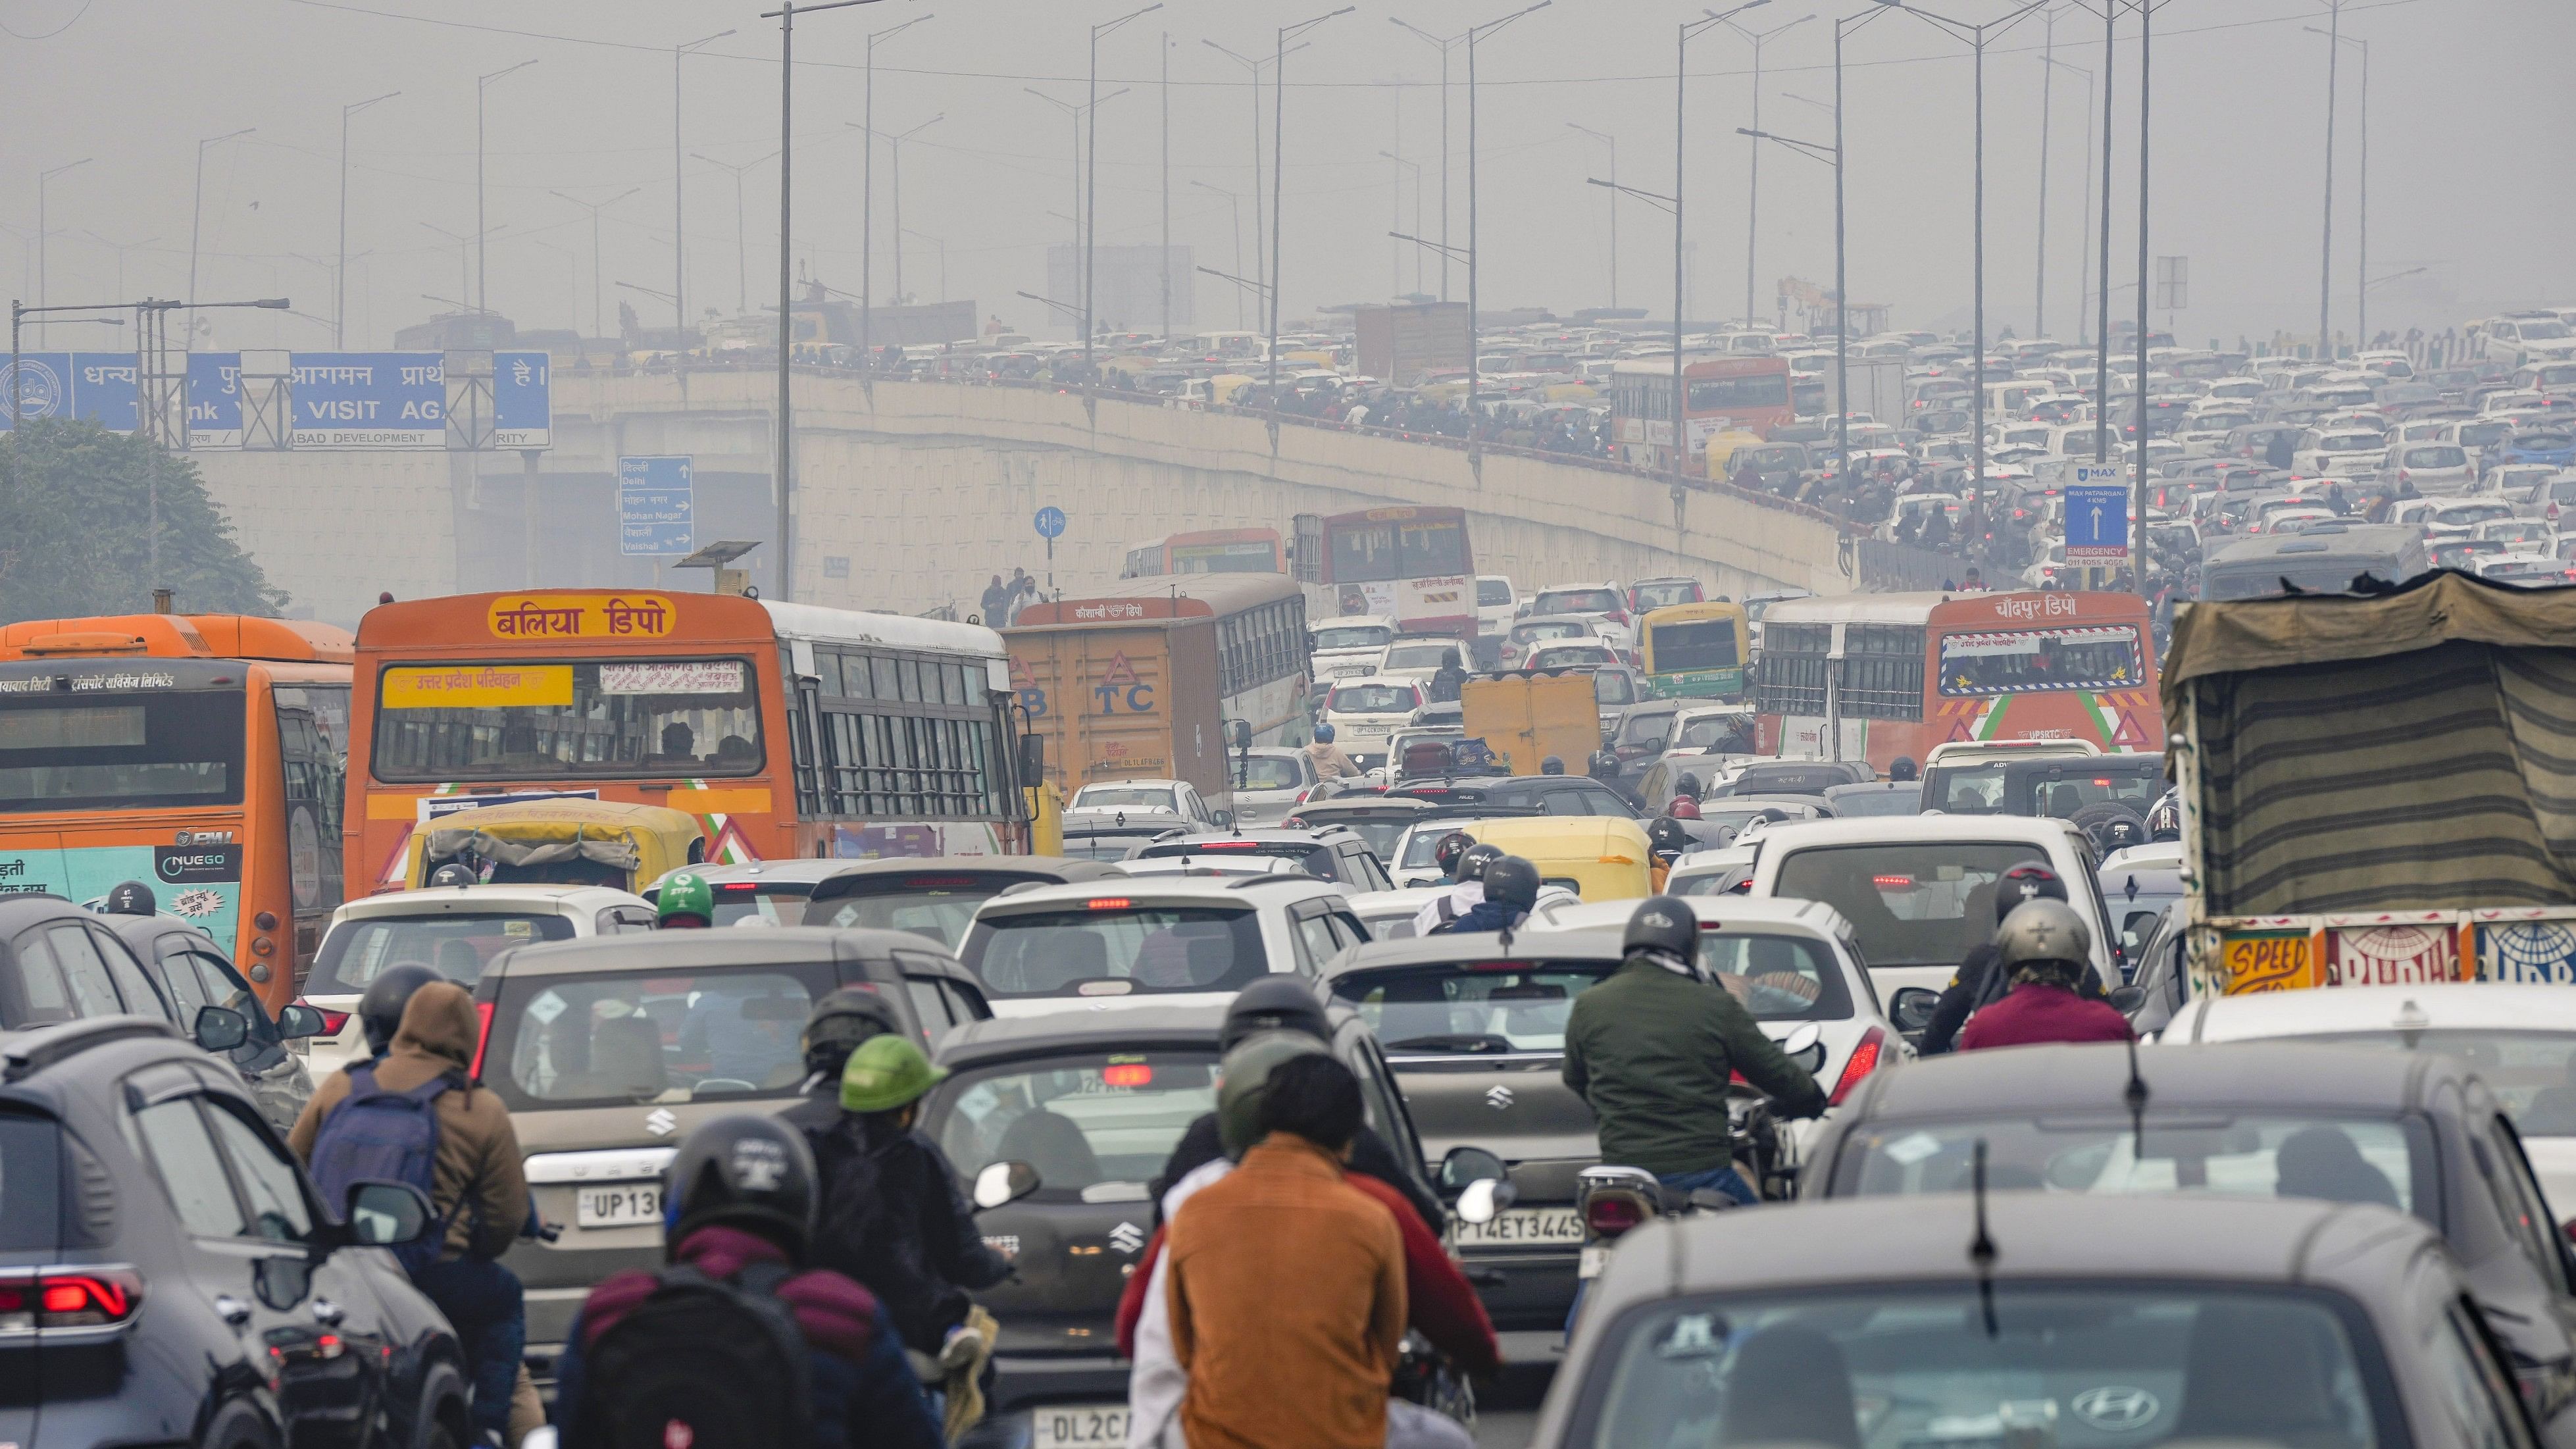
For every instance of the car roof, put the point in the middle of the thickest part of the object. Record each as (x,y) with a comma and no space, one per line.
(1401,681)
(1912,829)
(27,908)
(1147,780)
(1142,1026)
(1600,944)
(1023,866)
(2039,1236)
(1341,805)
(445,900)
(2457,1005)
(1157,890)
(789,869)
(647,954)
(2093,1078)
(1719,913)
(1273,835)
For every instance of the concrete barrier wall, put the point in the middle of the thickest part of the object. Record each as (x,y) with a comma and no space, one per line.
(918,499)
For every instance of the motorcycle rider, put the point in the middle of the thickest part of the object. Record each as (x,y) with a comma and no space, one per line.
(1327,758)
(1685,801)
(2042,948)
(1511,890)
(380,1009)
(1465,895)
(1977,983)
(1904,769)
(684,903)
(1446,855)
(1552,765)
(1652,1049)
(1667,840)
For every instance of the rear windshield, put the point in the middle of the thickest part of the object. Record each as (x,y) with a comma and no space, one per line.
(1788,780)
(1471,1008)
(1097,1126)
(1560,629)
(1355,636)
(456,946)
(1991,789)
(1925,904)
(1492,593)
(1419,656)
(2532,1072)
(1699,644)
(120,752)
(776,903)
(1116,950)
(2443,456)
(1903,800)
(1657,596)
(30,1196)
(1578,601)
(1372,699)
(618,1037)
(1315,860)
(1271,772)
(1131,797)
(938,907)
(2388,1161)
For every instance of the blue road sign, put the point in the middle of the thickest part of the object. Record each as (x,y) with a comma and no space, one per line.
(2097,515)
(103,390)
(44,383)
(370,400)
(522,408)
(655,506)
(214,400)
(1050,522)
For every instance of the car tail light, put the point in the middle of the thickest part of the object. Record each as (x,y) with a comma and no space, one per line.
(1611,1214)
(82,1298)
(1127,1074)
(1863,1061)
(482,1035)
(1892,882)
(1109,903)
(333,1022)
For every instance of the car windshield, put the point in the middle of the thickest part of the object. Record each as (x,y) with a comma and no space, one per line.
(2348,442)
(1988,790)
(1373,699)
(1696,644)
(1419,656)
(1924,903)
(1722,734)
(1471,1008)
(1554,629)
(2247,1153)
(936,905)
(1667,593)
(1352,636)
(2481,435)
(2543,331)
(1271,772)
(1556,654)
(1097,1126)
(1905,798)
(1493,593)
(1109,947)
(613,1037)
(2532,1072)
(1897,1366)
(772,903)
(1579,601)
(2444,456)
(2541,442)
(456,945)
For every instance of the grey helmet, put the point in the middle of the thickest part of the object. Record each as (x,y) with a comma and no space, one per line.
(2042,939)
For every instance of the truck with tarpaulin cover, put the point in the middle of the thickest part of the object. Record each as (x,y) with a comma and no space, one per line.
(2377,789)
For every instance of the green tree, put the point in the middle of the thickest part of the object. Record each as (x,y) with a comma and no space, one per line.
(76,504)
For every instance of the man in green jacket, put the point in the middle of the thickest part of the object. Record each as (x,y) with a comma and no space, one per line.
(1652,1050)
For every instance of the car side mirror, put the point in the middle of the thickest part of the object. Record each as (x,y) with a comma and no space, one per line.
(1224,819)
(1004,1182)
(1032,758)
(220,1028)
(1466,1165)
(1805,1046)
(2127,999)
(299,1021)
(1910,1010)
(386,1214)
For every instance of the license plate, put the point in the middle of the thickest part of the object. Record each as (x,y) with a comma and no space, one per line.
(1517,1227)
(1078,1424)
(627,1205)
(1592,1262)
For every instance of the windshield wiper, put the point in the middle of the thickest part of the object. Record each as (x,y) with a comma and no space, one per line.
(1460,1042)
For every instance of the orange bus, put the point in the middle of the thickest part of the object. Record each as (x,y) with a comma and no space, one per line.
(1208,551)
(786,729)
(199,753)
(1721,392)
(1878,676)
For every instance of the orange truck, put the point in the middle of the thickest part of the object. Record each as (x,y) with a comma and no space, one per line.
(1129,697)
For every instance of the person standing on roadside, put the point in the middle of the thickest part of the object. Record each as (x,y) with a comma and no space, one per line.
(997,602)
(1306,1359)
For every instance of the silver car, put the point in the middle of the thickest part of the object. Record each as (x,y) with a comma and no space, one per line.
(1269,781)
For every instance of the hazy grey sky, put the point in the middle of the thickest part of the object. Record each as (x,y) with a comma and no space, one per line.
(2472,118)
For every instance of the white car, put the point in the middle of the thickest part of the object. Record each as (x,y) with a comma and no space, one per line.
(1919,889)
(1364,711)
(1605,604)
(2345,452)
(1175,797)
(1153,940)
(1348,647)
(2520,1038)
(1420,656)
(2430,468)
(1538,629)
(2525,570)
(2461,516)
(1712,872)
(451,929)
(1270,781)
(2522,340)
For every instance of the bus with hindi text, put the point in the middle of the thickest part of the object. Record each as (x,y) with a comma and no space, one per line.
(1207,551)
(1412,566)
(1721,393)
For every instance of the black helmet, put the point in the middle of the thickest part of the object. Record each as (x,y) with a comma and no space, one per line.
(1471,866)
(838,1023)
(2029,881)
(1274,1003)
(132,898)
(1687,785)
(380,1010)
(1512,882)
(1552,765)
(1667,836)
(1452,845)
(752,1172)
(1246,1070)
(455,873)
(1904,769)
(1663,926)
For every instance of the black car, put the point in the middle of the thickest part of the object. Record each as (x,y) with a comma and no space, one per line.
(1795,777)
(1095,1102)
(169,1276)
(2413,1131)
(192,973)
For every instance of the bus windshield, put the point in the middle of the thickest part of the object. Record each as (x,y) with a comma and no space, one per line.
(568,720)
(1694,644)
(121,751)
(2025,661)
(1398,549)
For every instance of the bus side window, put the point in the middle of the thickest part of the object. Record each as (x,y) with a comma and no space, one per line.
(313,799)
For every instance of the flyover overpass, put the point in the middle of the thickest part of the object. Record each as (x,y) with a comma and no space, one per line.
(916,499)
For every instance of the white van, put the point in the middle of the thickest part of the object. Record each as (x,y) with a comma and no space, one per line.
(1348,647)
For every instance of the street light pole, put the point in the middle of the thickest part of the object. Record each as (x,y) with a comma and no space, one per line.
(2084,247)
(741,248)
(1753,155)
(679,216)
(2325,249)
(1472,34)
(1091,181)
(1688,29)
(2361,273)
(340,271)
(894,153)
(1612,142)
(44,232)
(196,215)
(867,208)
(1416,168)
(482,279)
(1252,71)
(2047,85)
(1278,161)
(597,252)
(1443,44)
(1235,203)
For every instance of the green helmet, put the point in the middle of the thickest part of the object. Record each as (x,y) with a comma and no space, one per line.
(1247,1070)
(885,1073)
(686,894)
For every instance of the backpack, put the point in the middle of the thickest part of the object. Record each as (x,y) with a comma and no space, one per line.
(701,1364)
(377,1135)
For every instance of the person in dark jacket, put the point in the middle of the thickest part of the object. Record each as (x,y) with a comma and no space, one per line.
(2042,947)
(724,1221)
(1977,983)
(1511,890)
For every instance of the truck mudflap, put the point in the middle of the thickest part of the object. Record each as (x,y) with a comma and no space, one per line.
(2527,944)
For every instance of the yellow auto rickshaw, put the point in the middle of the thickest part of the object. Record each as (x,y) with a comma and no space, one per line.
(1598,857)
(614,843)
